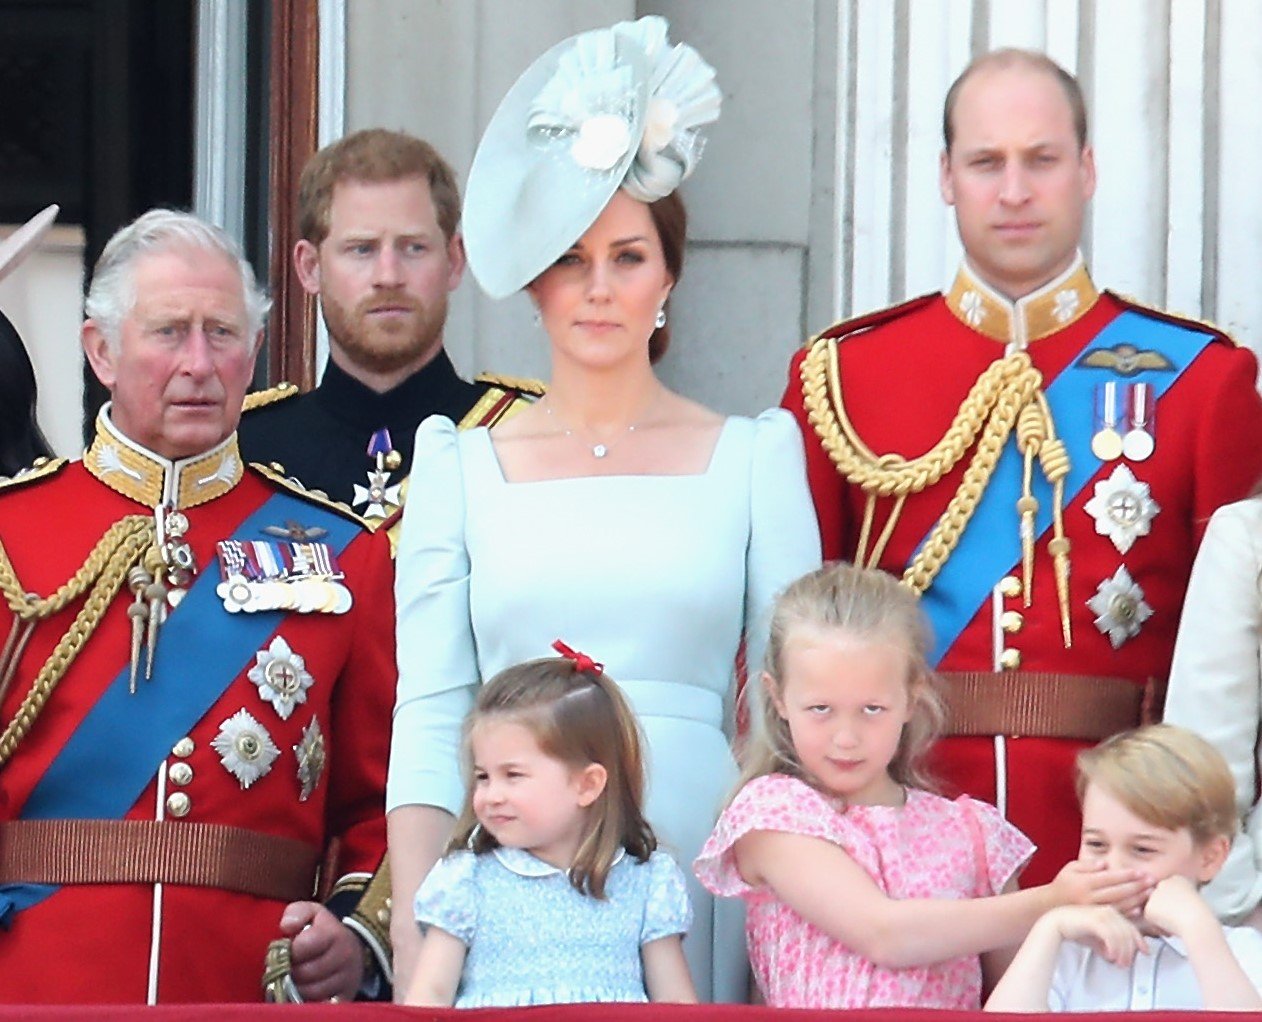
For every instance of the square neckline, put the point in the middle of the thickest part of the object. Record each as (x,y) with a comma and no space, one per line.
(489,448)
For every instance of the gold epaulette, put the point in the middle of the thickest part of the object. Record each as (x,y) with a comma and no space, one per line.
(41,468)
(1178,319)
(501,401)
(262,398)
(275,474)
(522,384)
(846,327)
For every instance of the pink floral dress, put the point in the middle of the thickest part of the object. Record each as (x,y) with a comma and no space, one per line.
(930,847)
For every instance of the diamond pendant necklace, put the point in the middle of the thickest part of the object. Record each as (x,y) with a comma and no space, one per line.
(599,450)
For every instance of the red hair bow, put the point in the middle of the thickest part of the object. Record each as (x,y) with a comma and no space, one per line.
(582,662)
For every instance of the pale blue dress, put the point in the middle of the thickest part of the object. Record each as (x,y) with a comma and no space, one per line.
(533,938)
(658,577)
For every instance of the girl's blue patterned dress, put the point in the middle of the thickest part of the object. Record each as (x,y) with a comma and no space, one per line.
(534,939)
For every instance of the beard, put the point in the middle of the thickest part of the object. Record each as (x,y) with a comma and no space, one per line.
(389,345)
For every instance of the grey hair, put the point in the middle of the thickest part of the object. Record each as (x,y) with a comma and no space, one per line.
(112,294)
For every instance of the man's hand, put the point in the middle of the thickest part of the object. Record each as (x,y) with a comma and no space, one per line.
(327,959)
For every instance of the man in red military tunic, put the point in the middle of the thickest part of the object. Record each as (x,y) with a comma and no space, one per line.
(1036,457)
(196,689)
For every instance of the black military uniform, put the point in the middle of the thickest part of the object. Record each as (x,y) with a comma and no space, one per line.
(330,439)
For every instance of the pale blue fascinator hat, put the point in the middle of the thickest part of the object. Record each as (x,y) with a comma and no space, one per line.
(612,108)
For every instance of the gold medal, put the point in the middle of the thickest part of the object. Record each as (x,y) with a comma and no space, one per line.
(1106,441)
(1107,445)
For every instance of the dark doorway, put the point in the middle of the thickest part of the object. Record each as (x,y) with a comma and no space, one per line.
(97,114)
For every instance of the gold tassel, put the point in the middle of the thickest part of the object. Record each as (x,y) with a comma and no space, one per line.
(137,581)
(1032,431)
(869,513)
(1055,461)
(1027,508)
(19,636)
(878,551)
(1059,549)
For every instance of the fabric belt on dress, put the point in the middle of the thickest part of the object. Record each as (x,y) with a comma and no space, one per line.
(1044,704)
(157,852)
(673,699)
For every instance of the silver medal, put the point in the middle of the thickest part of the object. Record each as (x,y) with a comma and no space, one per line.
(281,676)
(1119,607)
(245,748)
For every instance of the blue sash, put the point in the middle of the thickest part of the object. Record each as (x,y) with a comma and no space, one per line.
(201,652)
(991,544)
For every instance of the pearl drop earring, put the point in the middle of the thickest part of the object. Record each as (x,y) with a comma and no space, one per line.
(661,318)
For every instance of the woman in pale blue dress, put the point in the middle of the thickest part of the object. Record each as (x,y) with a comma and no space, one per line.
(637,525)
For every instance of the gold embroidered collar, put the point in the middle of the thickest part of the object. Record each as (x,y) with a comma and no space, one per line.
(1052,307)
(151,480)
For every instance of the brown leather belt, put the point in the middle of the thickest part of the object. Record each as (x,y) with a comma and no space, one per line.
(153,852)
(1044,704)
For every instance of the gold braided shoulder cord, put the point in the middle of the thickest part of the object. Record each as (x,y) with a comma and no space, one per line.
(104,572)
(1007,393)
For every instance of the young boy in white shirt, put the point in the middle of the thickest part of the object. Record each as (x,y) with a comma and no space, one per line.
(1162,800)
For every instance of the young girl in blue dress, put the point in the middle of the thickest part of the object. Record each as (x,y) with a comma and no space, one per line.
(552,889)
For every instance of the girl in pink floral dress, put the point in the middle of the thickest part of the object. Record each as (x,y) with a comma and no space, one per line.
(864,888)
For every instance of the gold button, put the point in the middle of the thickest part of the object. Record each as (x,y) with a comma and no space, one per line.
(383,916)
(183,748)
(1010,586)
(1011,621)
(180,773)
(1010,659)
(179,804)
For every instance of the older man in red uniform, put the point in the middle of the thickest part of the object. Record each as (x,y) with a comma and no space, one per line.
(196,689)
(1036,457)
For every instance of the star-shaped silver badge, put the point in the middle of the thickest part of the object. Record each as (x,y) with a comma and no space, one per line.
(281,676)
(245,748)
(381,497)
(310,752)
(1123,508)
(1119,607)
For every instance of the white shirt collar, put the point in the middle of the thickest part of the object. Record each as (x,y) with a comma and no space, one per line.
(521,862)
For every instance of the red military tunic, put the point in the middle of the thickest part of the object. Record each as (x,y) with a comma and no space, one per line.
(133,942)
(903,375)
